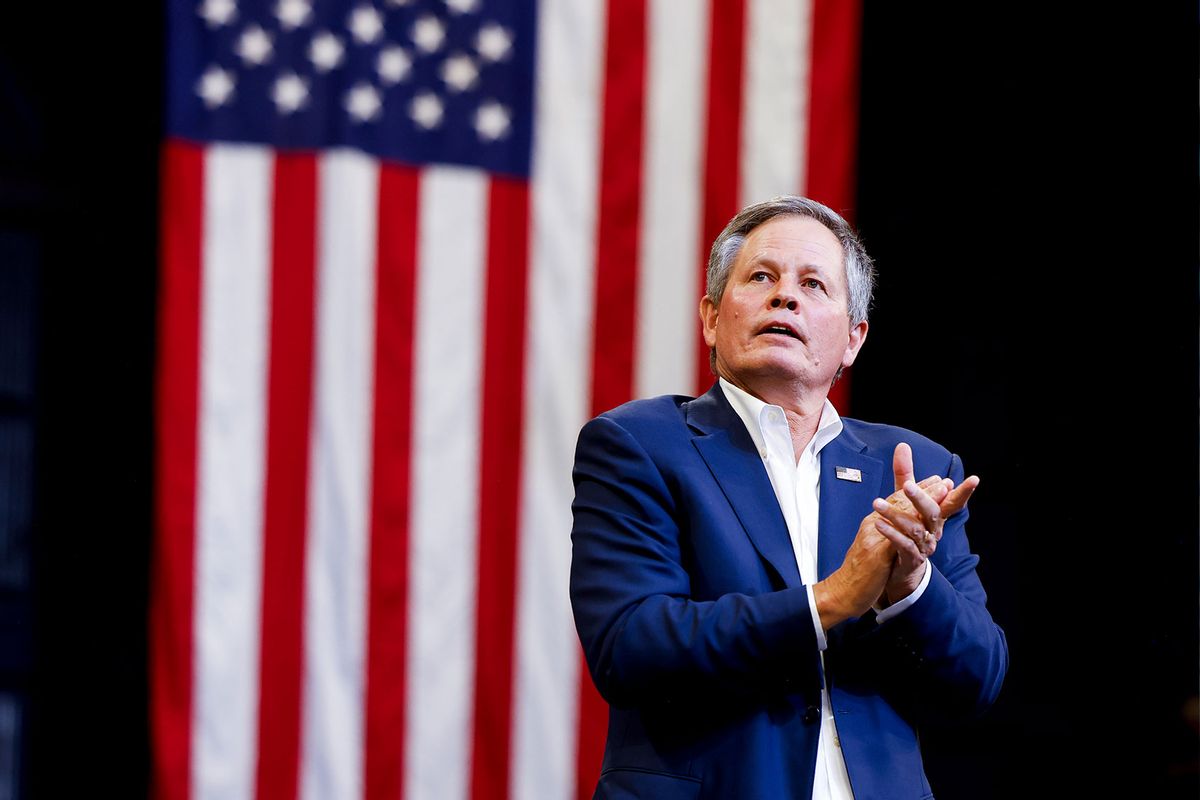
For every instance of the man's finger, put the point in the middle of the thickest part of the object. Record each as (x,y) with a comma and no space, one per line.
(928,509)
(937,488)
(902,465)
(903,519)
(909,553)
(956,500)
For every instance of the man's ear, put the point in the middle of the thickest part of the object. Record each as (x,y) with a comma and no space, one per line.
(858,335)
(708,320)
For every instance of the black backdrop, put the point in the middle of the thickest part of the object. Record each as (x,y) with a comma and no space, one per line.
(1028,189)
(1028,186)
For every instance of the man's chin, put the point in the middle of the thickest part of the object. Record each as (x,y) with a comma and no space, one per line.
(776,371)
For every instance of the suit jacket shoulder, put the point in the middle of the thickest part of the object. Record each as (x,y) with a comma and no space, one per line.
(880,441)
(879,437)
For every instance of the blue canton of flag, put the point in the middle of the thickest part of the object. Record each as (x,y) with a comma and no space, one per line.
(416,81)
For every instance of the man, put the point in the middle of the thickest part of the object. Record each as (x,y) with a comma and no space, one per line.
(767,608)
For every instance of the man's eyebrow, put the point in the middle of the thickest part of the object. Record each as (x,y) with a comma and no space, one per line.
(770,261)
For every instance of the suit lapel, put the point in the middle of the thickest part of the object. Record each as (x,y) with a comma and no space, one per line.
(725,445)
(844,503)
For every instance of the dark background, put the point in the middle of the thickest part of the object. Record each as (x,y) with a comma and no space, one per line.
(1028,190)
(1028,187)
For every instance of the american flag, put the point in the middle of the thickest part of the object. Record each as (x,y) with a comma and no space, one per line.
(408,248)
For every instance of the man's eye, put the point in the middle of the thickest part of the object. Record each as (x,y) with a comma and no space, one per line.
(812,283)
(759,277)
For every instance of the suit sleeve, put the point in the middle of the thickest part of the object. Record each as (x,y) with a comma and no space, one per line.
(944,656)
(644,637)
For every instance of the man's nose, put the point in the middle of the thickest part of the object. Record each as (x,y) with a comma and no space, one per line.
(784,297)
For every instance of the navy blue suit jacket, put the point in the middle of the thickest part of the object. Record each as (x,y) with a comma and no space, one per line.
(698,633)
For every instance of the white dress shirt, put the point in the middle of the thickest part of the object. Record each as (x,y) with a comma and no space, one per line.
(798,489)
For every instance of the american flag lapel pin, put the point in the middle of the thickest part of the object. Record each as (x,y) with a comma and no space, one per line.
(848,474)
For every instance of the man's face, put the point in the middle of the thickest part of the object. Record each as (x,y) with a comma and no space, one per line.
(783,319)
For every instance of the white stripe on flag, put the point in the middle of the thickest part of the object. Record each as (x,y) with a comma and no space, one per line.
(444,533)
(667,318)
(775,82)
(236,259)
(339,482)
(563,256)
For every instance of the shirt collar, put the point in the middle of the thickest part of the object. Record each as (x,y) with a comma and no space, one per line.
(755,415)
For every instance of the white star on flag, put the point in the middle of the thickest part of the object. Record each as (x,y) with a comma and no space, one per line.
(325,52)
(289,93)
(366,24)
(426,110)
(254,46)
(492,121)
(459,72)
(462,6)
(493,42)
(292,14)
(217,12)
(363,102)
(393,64)
(427,33)
(215,87)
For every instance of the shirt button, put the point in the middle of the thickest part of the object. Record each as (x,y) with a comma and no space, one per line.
(812,714)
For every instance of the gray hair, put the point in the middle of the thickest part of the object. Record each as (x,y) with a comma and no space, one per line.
(860,271)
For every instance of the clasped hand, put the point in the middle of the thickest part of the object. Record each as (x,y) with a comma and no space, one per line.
(887,559)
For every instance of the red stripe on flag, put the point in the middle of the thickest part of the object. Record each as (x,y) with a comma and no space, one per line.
(593,726)
(289,407)
(178,401)
(833,107)
(833,118)
(722,140)
(616,284)
(499,484)
(387,601)
(620,205)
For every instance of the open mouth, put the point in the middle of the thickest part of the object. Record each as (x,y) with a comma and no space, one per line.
(780,330)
